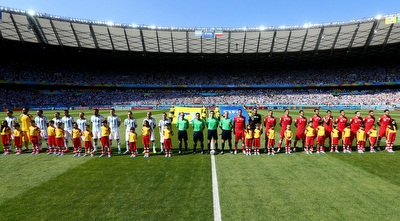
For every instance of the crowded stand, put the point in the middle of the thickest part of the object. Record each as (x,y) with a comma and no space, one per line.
(139,97)
(113,76)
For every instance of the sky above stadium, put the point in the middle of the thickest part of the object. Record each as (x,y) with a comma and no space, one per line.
(212,13)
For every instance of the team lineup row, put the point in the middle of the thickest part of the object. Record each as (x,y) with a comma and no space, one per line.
(58,131)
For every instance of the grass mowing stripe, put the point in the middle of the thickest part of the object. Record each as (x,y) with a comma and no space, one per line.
(217,208)
(121,188)
(298,186)
(21,174)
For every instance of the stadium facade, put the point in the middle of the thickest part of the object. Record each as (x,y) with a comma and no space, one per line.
(364,40)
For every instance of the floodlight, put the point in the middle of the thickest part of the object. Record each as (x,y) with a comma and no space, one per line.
(31,13)
(262,28)
(378,17)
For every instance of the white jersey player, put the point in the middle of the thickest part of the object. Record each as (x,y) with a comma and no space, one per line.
(68,122)
(96,120)
(57,119)
(114,122)
(42,122)
(11,121)
(162,124)
(129,123)
(82,122)
(152,123)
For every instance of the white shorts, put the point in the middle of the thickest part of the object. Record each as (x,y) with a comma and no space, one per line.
(152,136)
(43,134)
(161,138)
(114,136)
(127,135)
(96,134)
(68,134)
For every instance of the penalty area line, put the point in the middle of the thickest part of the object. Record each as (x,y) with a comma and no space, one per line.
(217,208)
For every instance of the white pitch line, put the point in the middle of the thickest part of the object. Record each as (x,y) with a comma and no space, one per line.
(217,208)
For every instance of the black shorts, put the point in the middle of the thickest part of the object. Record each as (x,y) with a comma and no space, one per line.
(182,134)
(212,134)
(198,136)
(226,135)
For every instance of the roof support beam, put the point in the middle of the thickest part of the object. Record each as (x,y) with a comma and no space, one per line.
(158,42)
(187,42)
(244,42)
(76,36)
(321,35)
(111,40)
(352,38)
(386,40)
(229,42)
(334,42)
(287,45)
(302,45)
(258,43)
(56,34)
(96,43)
(37,30)
(142,38)
(127,43)
(272,44)
(172,43)
(370,37)
(17,29)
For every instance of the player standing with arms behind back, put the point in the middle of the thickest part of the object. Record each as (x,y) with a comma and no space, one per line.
(300,123)
(268,121)
(285,120)
(96,120)
(114,122)
(129,123)
(383,123)
(239,125)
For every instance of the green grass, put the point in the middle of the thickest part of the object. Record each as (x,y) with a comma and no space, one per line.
(284,187)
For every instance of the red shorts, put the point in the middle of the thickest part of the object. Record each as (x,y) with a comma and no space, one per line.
(346,141)
(5,139)
(361,143)
(256,142)
(335,141)
(288,142)
(300,135)
(271,142)
(282,133)
(239,135)
(34,140)
(52,141)
(382,132)
(146,140)
(327,134)
(310,141)
(105,141)
(320,140)
(88,144)
(249,142)
(18,142)
(77,142)
(391,137)
(167,144)
(60,142)
(132,146)
(372,141)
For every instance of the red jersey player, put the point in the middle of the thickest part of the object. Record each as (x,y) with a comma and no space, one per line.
(239,125)
(268,121)
(328,125)
(355,123)
(341,122)
(300,123)
(383,123)
(283,122)
(369,121)
(315,119)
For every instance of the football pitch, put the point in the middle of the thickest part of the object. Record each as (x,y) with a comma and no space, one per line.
(284,187)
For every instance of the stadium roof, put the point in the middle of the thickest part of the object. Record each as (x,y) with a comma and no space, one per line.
(367,38)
